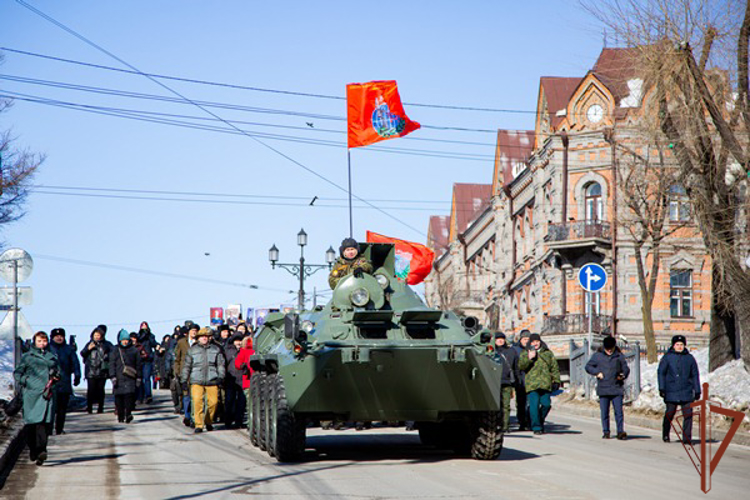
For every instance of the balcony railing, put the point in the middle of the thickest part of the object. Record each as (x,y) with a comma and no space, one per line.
(577,323)
(578,230)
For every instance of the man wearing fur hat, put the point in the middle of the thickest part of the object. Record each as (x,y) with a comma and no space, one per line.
(205,369)
(611,369)
(350,262)
(679,385)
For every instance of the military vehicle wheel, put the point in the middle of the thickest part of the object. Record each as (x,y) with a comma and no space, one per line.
(430,433)
(487,436)
(288,429)
(268,402)
(252,418)
(261,395)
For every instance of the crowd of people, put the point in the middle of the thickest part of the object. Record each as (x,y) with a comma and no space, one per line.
(208,373)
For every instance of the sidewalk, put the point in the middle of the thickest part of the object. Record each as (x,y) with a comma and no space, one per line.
(633,418)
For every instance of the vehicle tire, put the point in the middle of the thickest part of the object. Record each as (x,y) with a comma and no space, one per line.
(270,405)
(252,418)
(288,429)
(487,435)
(430,433)
(262,409)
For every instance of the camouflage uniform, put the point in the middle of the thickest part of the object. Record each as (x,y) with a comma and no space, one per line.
(344,267)
(542,376)
(541,372)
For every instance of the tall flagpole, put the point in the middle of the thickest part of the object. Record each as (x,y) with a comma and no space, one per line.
(349,161)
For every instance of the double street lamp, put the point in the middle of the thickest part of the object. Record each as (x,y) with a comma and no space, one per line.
(301,270)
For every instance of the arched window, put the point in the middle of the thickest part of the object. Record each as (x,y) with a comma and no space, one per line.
(593,202)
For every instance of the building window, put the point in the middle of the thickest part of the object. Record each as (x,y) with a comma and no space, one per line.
(681,293)
(679,204)
(593,202)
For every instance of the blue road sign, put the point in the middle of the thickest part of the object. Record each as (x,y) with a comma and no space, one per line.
(592,277)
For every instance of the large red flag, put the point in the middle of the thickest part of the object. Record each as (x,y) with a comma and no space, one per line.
(413,261)
(374,113)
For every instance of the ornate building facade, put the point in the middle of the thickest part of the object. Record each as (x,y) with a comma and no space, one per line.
(554,206)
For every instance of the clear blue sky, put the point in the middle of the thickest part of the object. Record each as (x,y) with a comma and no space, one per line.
(486,54)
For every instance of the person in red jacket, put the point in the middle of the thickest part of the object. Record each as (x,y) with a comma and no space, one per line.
(242,363)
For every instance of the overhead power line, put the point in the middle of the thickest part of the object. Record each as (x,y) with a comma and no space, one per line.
(250,88)
(160,118)
(208,111)
(210,104)
(117,267)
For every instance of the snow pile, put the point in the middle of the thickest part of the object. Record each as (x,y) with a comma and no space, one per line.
(6,369)
(728,385)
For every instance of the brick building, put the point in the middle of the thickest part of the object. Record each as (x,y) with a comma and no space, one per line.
(552,209)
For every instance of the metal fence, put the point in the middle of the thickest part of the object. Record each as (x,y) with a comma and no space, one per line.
(565,231)
(579,356)
(577,323)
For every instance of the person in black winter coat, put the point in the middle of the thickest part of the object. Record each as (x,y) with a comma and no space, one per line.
(162,372)
(679,385)
(611,369)
(507,357)
(522,408)
(95,356)
(234,409)
(125,355)
(69,367)
(147,342)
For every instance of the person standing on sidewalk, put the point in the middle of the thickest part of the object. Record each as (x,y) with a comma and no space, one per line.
(35,376)
(522,406)
(611,369)
(679,385)
(204,369)
(67,360)
(127,367)
(95,356)
(507,357)
(542,378)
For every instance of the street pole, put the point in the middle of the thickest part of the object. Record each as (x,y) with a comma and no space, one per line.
(16,343)
(301,297)
(315,298)
(591,323)
(349,162)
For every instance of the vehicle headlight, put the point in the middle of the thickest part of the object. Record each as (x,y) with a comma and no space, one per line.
(360,297)
(306,326)
(382,280)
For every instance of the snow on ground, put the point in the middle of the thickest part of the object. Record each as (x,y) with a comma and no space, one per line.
(6,369)
(728,385)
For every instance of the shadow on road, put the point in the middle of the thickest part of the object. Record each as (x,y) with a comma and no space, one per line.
(551,428)
(84,458)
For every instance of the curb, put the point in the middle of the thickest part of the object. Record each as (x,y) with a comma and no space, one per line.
(583,410)
(10,449)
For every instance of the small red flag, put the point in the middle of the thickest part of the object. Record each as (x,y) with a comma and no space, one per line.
(413,261)
(375,113)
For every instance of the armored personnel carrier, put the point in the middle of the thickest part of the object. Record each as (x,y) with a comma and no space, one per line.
(375,352)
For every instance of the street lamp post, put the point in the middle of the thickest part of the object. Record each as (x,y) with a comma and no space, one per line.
(301,270)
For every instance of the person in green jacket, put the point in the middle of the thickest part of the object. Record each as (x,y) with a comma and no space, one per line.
(542,378)
(37,371)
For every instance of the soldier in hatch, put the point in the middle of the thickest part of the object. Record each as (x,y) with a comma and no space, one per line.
(350,262)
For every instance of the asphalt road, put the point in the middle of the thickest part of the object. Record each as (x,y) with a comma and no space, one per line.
(156,457)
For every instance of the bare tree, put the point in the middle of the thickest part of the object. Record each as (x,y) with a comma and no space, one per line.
(17,168)
(645,185)
(700,102)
